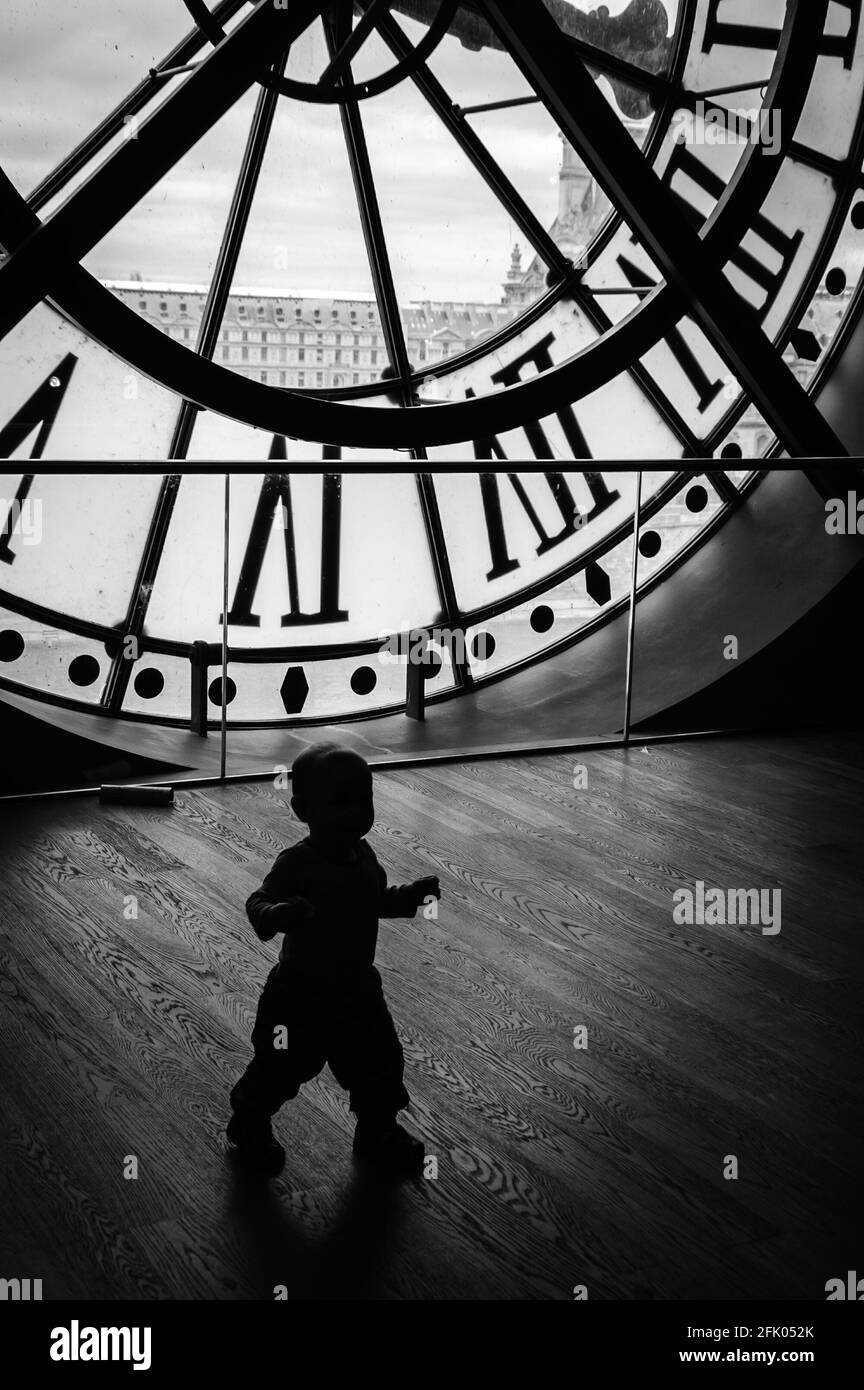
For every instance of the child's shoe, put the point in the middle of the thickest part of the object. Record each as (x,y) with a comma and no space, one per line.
(252,1137)
(391,1147)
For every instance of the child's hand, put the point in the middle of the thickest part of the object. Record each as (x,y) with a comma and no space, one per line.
(296,912)
(426,888)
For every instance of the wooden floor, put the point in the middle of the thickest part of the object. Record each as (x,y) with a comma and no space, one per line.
(557,1167)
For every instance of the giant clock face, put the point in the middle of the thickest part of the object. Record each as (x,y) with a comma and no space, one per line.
(479,232)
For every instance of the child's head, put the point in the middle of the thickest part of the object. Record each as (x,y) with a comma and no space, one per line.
(332,793)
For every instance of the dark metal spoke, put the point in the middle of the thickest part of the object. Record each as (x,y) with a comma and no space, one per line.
(44,259)
(450,610)
(727,91)
(391,322)
(373,233)
(685,258)
(724,485)
(497,105)
(208,336)
(232,241)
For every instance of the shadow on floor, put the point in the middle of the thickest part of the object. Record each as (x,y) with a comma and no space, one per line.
(350,1261)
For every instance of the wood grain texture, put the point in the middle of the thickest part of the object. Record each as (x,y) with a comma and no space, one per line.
(121,1037)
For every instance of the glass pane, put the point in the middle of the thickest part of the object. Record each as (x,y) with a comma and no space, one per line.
(184,603)
(171,238)
(304,186)
(506,532)
(719,57)
(327,559)
(64,68)
(833,299)
(828,122)
(449,238)
(92,404)
(77,543)
(617,421)
(218,437)
(102,600)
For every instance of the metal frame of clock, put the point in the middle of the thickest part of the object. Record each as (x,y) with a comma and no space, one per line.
(695,278)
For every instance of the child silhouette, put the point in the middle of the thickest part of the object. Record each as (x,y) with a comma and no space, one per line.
(323,1002)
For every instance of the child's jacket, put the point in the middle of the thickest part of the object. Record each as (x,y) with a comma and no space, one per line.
(334,950)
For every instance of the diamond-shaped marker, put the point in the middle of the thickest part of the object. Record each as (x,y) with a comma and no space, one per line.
(597,583)
(294,689)
(806,345)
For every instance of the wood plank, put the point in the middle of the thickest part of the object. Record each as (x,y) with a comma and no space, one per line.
(556,1166)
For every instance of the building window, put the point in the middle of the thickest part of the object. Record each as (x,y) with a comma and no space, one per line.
(226,353)
(319,377)
(264,336)
(319,355)
(264,376)
(374,359)
(301,379)
(244,336)
(163,306)
(260,311)
(281,378)
(244,354)
(301,354)
(142,305)
(263,354)
(356,357)
(356,378)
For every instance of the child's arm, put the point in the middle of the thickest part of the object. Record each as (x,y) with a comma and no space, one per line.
(275,907)
(403,900)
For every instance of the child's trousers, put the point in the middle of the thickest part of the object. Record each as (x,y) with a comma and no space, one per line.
(295,1037)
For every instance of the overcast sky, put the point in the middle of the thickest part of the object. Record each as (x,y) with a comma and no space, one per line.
(63,65)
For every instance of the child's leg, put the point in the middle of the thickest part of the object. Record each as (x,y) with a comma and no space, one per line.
(288,1051)
(366,1058)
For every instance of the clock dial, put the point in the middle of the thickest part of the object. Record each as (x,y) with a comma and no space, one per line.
(436,238)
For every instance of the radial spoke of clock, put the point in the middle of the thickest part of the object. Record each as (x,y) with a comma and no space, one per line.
(373,229)
(208,337)
(391,322)
(133,169)
(132,105)
(687,261)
